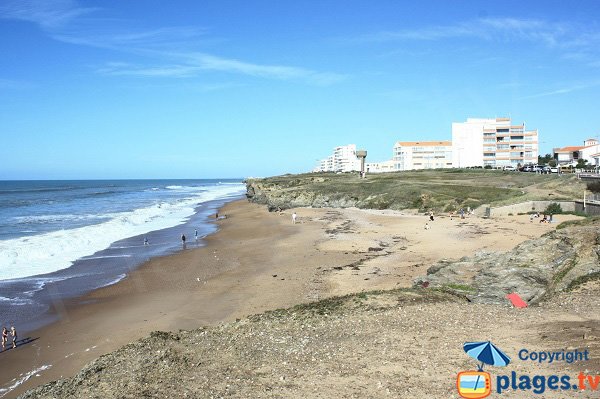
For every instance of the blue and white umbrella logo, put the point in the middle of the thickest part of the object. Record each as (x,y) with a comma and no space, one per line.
(486,353)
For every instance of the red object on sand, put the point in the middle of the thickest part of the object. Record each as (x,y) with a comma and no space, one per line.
(516,300)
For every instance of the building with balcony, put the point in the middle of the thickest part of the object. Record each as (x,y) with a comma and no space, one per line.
(343,159)
(495,142)
(411,155)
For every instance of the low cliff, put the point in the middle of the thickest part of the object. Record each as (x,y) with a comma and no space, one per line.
(440,190)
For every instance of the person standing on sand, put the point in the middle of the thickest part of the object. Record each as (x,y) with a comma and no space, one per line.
(183,239)
(294,216)
(13,332)
(146,241)
(4,337)
(196,235)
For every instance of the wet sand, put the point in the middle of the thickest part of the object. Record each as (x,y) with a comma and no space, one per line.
(257,261)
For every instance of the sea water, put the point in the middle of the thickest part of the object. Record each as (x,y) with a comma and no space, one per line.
(61,239)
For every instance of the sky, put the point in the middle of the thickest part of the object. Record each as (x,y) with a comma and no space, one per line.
(207,89)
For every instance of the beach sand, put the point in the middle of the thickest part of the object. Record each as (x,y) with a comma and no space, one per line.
(256,261)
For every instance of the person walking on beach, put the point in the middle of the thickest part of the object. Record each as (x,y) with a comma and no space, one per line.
(183,240)
(294,216)
(146,241)
(4,337)
(196,235)
(13,332)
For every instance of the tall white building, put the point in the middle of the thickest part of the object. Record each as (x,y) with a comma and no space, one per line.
(343,159)
(411,155)
(494,142)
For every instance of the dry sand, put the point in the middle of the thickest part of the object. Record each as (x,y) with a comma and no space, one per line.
(257,261)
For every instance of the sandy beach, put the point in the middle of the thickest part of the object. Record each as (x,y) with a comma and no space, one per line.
(256,261)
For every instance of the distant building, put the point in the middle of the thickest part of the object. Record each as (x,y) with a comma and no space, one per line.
(589,151)
(343,159)
(411,155)
(380,167)
(494,142)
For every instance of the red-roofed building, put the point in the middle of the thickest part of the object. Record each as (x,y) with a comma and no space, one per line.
(590,151)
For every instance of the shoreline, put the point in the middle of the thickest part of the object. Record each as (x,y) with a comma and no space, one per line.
(255,261)
(89,326)
(26,300)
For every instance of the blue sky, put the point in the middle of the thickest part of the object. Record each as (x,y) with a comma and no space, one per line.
(198,89)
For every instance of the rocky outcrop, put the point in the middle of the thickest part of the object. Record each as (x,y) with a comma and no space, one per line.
(557,261)
(295,193)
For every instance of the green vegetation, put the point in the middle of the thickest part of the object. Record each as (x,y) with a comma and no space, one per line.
(554,208)
(440,189)
(544,160)
(594,186)
(460,287)
(372,299)
(580,222)
(581,163)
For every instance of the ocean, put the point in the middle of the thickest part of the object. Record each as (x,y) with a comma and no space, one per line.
(62,239)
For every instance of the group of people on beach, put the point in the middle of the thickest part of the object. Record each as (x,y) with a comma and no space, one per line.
(544,219)
(13,333)
(461,212)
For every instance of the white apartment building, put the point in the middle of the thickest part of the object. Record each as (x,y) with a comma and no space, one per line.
(494,142)
(343,159)
(411,155)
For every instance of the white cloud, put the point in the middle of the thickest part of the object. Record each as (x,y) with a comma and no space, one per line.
(168,48)
(565,90)
(48,14)
(192,64)
(538,31)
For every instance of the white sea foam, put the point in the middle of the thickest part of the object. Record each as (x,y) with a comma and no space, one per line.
(49,252)
(23,377)
(56,218)
(105,257)
(116,280)
(15,301)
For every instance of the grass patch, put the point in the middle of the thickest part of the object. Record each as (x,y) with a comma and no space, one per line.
(582,222)
(439,189)
(340,304)
(460,287)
